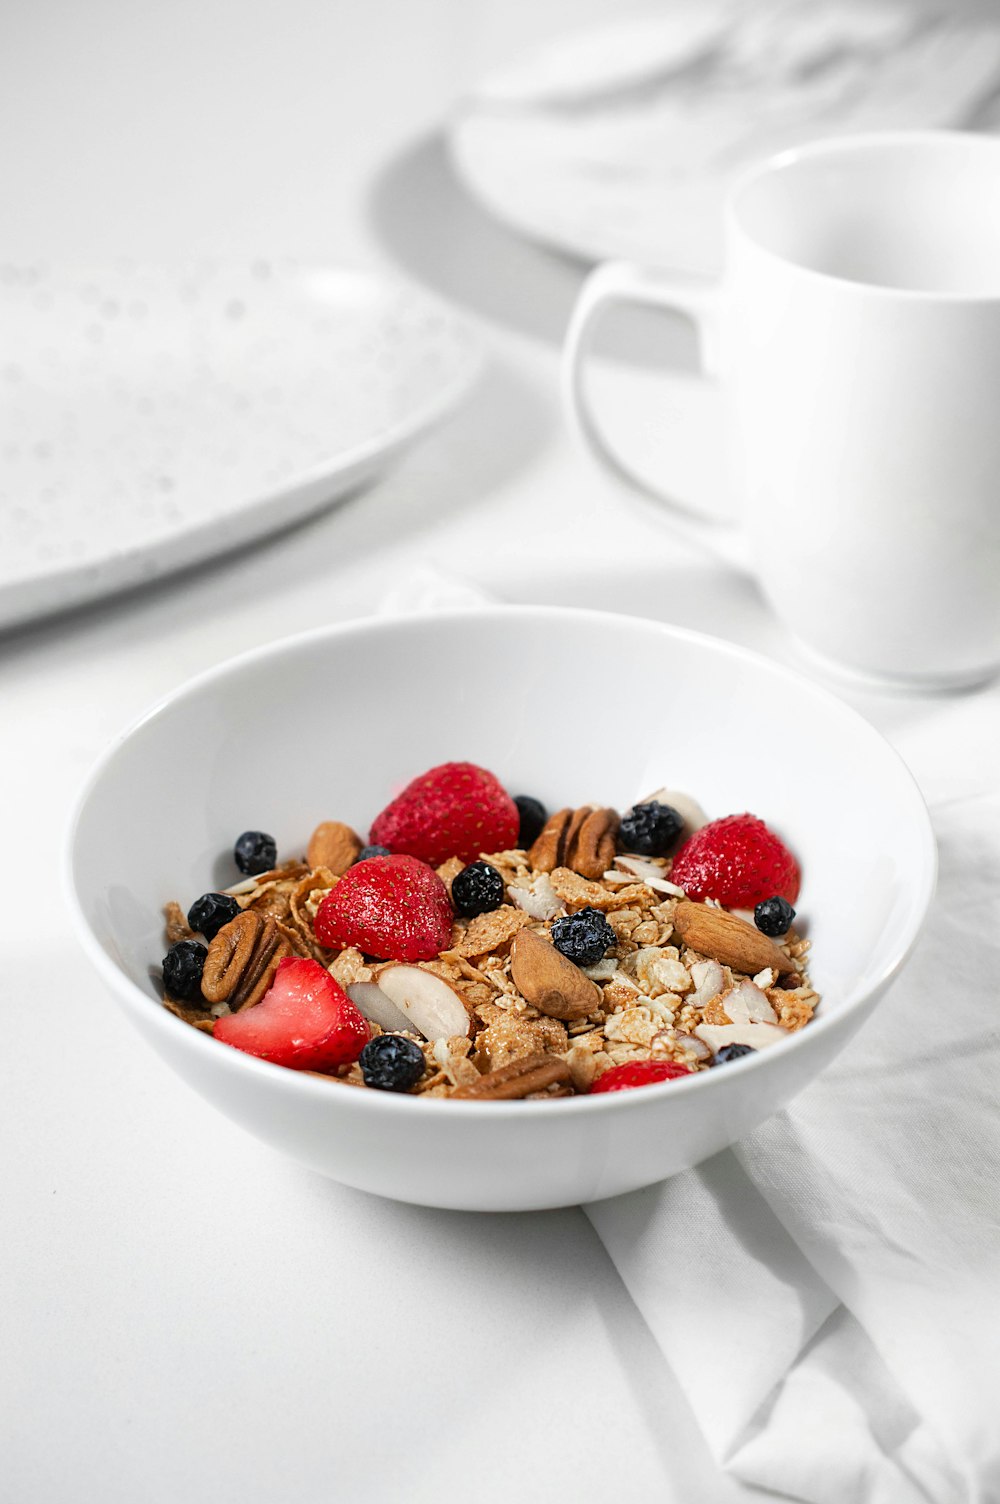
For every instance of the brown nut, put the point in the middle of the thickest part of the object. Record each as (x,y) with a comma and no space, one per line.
(544,854)
(549,981)
(728,939)
(242,960)
(520,1079)
(581,839)
(333,845)
(594,848)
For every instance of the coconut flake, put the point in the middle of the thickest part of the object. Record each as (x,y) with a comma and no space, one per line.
(603,970)
(708,979)
(757,1036)
(540,901)
(746,1004)
(648,873)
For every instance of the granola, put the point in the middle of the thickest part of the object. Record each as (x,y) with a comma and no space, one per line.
(527,972)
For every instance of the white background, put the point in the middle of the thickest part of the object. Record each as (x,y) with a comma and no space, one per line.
(182,1314)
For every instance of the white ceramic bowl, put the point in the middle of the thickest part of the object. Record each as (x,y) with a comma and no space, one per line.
(572,706)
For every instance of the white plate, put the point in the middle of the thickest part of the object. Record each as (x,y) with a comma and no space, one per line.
(622,141)
(151,416)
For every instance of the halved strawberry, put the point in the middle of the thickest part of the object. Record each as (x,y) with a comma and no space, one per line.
(305,1021)
(639,1073)
(737,860)
(457,809)
(392,907)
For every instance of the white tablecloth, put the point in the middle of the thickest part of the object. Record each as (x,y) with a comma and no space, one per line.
(184,1314)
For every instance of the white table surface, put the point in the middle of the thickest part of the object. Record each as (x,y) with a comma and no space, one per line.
(185,1315)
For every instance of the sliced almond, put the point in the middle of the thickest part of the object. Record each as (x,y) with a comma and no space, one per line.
(430,1005)
(376,1005)
(727,939)
(649,873)
(757,1036)
(549,981)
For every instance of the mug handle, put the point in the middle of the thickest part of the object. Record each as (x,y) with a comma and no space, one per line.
(694,298)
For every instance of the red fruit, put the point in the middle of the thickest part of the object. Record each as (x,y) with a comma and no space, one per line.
(392,907)
(456,809)
(305,1021)
(639,1073)
(738,861)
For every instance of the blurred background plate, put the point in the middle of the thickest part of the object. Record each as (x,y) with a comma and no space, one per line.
(622,141)
(151,416)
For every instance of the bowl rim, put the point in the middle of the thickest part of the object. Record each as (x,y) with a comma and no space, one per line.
(282,1078)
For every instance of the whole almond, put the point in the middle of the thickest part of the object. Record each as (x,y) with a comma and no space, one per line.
(728,939)
(549,981)
(333,845)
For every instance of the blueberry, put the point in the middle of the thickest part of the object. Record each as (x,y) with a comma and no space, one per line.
(533,817)
(583,937)
(369,851)
(182,968)
(733,1052)
(649,829)
(255,852)
(773,916)
(391,1062)
(210,912)
(477,889)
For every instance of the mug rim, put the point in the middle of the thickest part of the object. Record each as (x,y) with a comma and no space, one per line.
(966,142)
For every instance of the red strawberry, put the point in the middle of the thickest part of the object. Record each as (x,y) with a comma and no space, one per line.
(456,809)
(639,1073)
(393,907)
(305,1021)
(738,861)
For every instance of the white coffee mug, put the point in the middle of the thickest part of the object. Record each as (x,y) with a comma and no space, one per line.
(856,339)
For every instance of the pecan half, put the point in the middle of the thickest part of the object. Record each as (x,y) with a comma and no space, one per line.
(544,854)
(581,839)
(242,960)
(518,1080)
(594,848)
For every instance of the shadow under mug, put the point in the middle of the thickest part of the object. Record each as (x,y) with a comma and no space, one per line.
(856,340)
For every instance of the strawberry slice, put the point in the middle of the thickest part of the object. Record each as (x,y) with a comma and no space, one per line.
(305,1021)
(737,860)
(456,809)
(639,1073)
(392,907)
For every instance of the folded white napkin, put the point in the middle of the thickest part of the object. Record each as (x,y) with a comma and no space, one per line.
(833,1301)
(828,1291)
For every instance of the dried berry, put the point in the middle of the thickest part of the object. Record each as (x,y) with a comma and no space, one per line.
(210,912)
(533,817)
(733,1052)
(255,852)
(477,889)
(649,829)
(182,968)
(391,1062)
(773,916)
(583,937)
